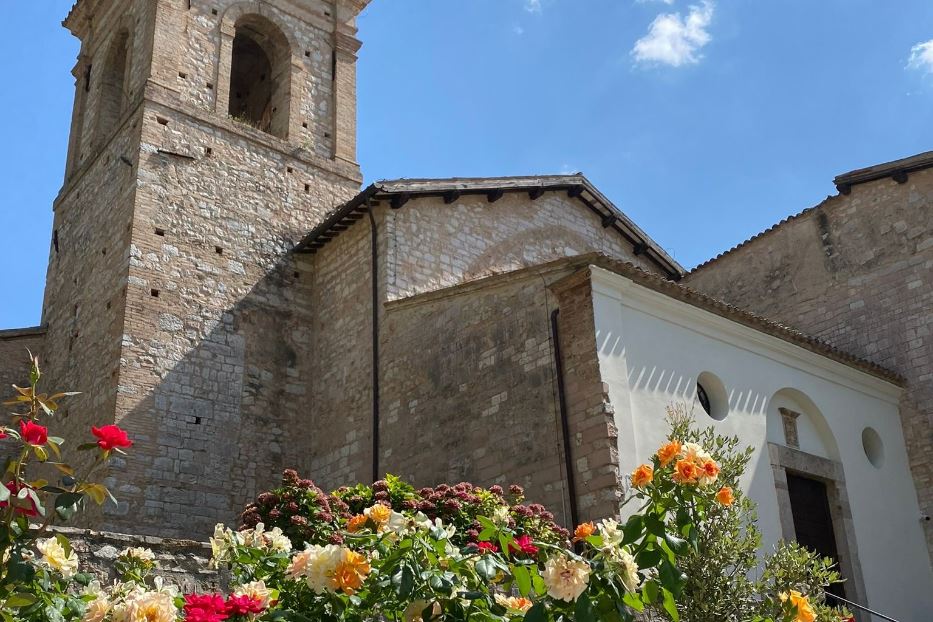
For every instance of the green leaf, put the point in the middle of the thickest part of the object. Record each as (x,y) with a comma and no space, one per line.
(537,613)
(21,600)
(583,611)
(87,446)
(66,504)
(522,580)
(670,606)
(64,543)
(633,529)
(404,581)
(678,545)
(634,602)
(486,567)
(649,591)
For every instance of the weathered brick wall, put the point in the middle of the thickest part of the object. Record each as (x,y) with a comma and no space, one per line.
(172,301)
(434,245)
(468,389)
(14,360)
(855,271)
(590,414)
(339,420)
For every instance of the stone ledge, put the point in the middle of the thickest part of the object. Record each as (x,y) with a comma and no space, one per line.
(15,333)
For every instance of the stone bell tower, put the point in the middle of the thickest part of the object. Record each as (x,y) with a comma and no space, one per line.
(208,137)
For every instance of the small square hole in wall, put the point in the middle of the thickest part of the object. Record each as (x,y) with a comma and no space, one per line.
(305,125)
(289,170)
(297,275)
(154,293)
(218,250)
(326,134)
(208,151)
(308,53)
(197,421)
(108,306)
(210,86)
(162,120)
(213,11)
(307,188)
(103,251)
(182,75)
(160,232)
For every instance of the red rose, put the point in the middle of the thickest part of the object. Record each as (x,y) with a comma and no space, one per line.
(110,436)
(244,605)
(3,435)
(523,544)
(205,608)
(487,547)
(29,510)
(33,433)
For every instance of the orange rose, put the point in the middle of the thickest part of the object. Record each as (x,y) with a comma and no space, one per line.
(642,476)
(686,472)
(805,611)
(668,452)
(379,514)
(350,573)
(709,471)
(724,496)
(356,523)
(584,531)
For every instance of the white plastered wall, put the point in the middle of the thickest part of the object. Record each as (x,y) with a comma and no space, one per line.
(652,348)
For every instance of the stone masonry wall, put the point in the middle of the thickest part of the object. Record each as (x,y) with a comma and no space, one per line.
(855,271)
(468,389)
(182,563)
(14,361)
(211,384)
(433,245)
(340,434)
(590,416)
(172,301)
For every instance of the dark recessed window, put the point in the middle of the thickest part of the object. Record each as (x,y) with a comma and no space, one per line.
(703,398)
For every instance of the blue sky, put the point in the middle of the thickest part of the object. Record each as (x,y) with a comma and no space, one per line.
(706,122)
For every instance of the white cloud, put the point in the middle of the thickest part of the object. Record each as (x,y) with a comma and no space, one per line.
(533,6)
(673,40)
(518,30)
(921,57)
(647,1)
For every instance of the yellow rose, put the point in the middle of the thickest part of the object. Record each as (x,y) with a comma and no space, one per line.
(54,557)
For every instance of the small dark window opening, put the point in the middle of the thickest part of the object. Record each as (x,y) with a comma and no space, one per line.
(259,76)
(112,85)
(160,233)
(703,398)
(87,79)
(154,292)
(218,250)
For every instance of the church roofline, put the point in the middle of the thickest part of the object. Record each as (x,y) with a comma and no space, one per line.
(398,192)
(746,318)
(576,265)
(898,170)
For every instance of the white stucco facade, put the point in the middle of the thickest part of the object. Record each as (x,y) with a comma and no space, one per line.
(652,349)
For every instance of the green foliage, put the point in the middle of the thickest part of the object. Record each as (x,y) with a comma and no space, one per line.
(41,591)
(725,582)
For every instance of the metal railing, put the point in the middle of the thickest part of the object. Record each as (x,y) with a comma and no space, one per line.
(861,607)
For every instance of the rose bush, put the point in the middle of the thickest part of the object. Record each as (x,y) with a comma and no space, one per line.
(39,575)
(384,551)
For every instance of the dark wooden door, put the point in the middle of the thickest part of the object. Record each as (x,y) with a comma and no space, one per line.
(813,520)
